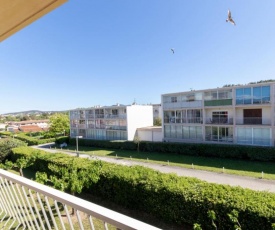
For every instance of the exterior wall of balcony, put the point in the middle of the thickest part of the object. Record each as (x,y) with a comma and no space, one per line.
(215,116)
(265,119)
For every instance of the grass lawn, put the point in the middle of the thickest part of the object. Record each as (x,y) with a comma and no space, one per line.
(238,167)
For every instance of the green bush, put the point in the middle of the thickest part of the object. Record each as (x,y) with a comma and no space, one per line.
(6,146)
(254,153)
(170,197)
(33,141)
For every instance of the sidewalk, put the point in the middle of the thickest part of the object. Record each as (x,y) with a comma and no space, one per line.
(213,177)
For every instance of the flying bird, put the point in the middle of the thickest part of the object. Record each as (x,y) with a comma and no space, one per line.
(173,51)
(229,18)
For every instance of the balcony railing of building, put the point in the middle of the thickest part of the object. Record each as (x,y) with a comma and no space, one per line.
(26,204)
(117,116)
(182,104)
(253,121)
(81,126)
(99,116)
(196,120)
(90,116)
(254,141)
(220,120)
(218,138)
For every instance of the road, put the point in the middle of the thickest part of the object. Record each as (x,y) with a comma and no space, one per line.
(257,184)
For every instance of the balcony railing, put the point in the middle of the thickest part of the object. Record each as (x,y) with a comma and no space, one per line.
(220,120)
(253,121)
(196,120)
(99,116)
(218,138)
(25,204)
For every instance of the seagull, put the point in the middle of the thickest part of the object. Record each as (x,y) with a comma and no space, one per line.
(229,18)
(173,51)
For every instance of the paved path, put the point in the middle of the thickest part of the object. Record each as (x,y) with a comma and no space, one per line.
(219,178)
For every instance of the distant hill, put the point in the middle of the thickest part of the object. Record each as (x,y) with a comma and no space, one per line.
(29,112)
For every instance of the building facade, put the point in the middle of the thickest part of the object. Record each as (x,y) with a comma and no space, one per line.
(237,115)
(118,122)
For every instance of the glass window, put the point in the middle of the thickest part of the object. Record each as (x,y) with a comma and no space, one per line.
(179,131)
(257,95)
(247,95)
(167,131)
(214,95)
(173,131)
(198,96)
(244,135)
(207,96)
(266,94)
(174,99)
(239,96)
(185,132)
(199,132)
(261,136)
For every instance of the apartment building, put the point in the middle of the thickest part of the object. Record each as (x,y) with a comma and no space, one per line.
(117,122)
(242,114)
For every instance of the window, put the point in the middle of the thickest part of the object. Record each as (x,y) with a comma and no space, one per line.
(190,97)
(218,95)
(174,99)
(114,112)
(220,134)
(254,136)
(266,94)
(220,117)
(253,95)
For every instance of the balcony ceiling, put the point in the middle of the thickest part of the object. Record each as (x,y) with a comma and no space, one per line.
(17,14)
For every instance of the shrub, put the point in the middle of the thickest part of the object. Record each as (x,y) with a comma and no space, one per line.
(6,146)
(168,196)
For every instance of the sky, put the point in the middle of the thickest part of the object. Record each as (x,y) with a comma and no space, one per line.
(102,52)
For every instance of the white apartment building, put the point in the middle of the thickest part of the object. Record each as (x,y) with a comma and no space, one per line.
(117,122)
(237,114)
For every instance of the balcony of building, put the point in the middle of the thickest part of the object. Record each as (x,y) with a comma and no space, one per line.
(221,102)
(191,120)
(219,138)
(253,121)
(219,120)
(26,204)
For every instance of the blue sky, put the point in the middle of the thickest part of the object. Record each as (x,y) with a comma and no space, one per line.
(103,52)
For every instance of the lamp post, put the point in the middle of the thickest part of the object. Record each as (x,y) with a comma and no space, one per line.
(76,139)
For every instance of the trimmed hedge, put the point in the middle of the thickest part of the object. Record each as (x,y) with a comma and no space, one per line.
(254,153)
(170,197)
(33,141)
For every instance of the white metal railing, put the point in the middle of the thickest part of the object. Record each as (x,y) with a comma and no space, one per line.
(26,204)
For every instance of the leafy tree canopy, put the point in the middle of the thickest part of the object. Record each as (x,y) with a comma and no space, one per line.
(59,123)
(7,144)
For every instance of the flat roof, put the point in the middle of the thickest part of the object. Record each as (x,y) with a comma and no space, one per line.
(17,14)
(220,88)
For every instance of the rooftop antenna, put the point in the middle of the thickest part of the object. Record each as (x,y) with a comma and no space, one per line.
(134,103)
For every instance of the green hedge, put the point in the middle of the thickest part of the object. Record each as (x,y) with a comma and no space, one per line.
(170,197)
(33,141)
(192,149)
(127,145)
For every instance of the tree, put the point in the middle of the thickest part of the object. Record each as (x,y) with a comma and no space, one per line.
(6,145)
(59,123)
(137,141)
(20,164)
(71,177)
(157,121)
